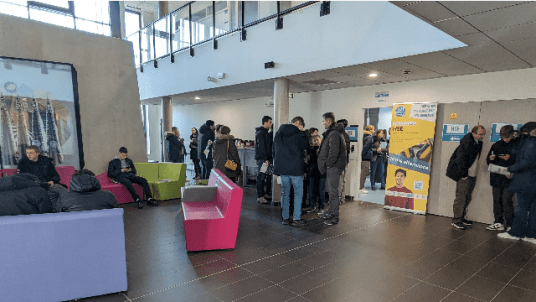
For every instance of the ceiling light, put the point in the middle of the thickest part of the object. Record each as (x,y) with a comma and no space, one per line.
(372,75)
(197,98)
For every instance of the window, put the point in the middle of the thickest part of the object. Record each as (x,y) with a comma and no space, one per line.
(132,22)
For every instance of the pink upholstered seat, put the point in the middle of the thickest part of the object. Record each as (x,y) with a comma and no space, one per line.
(7,172)
(121,193)
(213,224)
(66,173)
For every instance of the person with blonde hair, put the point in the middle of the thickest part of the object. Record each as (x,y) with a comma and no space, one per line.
(366,156)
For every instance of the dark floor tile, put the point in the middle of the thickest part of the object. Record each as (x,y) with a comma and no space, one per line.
(512,293)
(246,257)
(423,292)
(498,272)
(306,281)
(429,264)
(286,272)
(271,294)
(481,288)
(457,297)
(449,277)
(182,293)
(329,292)
(218,280)
(241,289)
(392,286)
(525,279)
(117,297)
(261,266)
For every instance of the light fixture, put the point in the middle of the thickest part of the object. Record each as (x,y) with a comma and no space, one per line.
(197,98)
(372,75)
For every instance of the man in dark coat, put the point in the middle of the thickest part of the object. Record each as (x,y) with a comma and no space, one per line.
(332,161)
(206,137)
(85,194)
(42,167)
(342,182)
(462,168)
(23,194)
(263,155)
(366,157)
(289,143)
(176,149)
(122,169)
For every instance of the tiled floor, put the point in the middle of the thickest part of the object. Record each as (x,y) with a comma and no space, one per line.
(372,255)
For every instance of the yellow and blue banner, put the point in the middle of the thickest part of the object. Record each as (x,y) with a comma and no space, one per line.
(410,157)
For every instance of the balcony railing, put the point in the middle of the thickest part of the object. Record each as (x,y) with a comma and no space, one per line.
(201,22)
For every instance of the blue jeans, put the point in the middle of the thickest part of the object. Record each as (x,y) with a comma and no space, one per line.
(377,167)
(297,183)
(317,187)
(524,224)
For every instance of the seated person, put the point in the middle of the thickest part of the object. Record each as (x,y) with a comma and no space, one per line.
(22,194)
(42,167)
(122,169)
(85,194)
(399,201)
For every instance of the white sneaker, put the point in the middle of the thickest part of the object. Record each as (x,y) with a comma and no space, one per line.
(505,235)
(495,227)
(363,191)
(531,240)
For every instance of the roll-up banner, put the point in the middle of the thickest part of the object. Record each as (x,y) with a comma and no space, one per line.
(410,157)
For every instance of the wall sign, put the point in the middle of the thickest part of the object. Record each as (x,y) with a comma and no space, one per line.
(454,132)
(496,130)
(352,132)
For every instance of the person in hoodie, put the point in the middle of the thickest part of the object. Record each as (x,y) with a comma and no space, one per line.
(194,154)
(290,141)
(332,161)
(205,139)
(85,194)
(122,169)
(523,180)
(462,168)
(42,167)
(175,144)
(366,157)
(263,155)
(224,149)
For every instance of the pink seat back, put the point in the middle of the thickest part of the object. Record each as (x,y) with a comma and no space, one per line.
(226,197)
(7,172)
(66,173)
(104,179)
(214,174)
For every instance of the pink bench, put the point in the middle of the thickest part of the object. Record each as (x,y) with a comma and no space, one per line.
(121,193)
(212,223)
(7,172)
(66,173)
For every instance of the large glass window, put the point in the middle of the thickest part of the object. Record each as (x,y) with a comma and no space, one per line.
(132,25)
(181,29)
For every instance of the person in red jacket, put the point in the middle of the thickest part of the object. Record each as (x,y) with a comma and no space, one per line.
(404,201)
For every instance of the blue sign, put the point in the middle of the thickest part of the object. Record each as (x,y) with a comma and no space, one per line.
(454,132)
(496,130)
(400,111)
(352,132)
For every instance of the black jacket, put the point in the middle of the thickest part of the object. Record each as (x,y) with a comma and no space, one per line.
(193,147)
(463,157)
(289,144)
(263,144)
(114,169)
(524,168)
(221,154)
(43,168)
(176,149)
(312,152)
(347,143)
(332,152)
(85,194)
(500,148)
(21,194)
(376,143)
(205,134)
(366,153)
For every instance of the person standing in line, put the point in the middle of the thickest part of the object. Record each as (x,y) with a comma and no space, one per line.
(500,154)
(289,143)
(332,160)
(342,182)
(366,157)
(225,149)
(462,168)
(206,137)
(377,163)
(176,149)
(523,180)
(317,181)
(263,156)
(194,153)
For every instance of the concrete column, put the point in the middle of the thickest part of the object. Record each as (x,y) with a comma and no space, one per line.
(167,118)
(163,8)
(281,116)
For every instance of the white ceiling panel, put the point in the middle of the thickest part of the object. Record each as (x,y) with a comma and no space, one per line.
(489,58)
(513,33)
(430,10)
(504,17)
(464,8)
(524,49)
(356,70)
(475,39)
(396,66)
(455,27)
(442,63)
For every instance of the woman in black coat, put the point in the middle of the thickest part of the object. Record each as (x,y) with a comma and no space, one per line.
(193,153)
(176,149)
(377,163)
(224,149)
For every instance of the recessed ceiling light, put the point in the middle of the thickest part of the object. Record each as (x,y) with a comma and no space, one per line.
(197,98)
(373,75)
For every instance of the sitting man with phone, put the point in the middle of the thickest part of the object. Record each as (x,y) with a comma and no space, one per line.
(122,169)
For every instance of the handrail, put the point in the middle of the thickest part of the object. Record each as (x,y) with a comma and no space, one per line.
(151,50)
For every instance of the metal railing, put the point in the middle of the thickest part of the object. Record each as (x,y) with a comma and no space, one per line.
(200,22)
